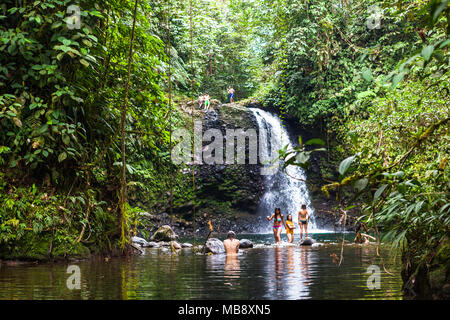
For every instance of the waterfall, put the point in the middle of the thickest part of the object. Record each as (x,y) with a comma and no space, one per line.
(281,190)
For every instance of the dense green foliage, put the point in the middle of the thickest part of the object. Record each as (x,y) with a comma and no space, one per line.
(371,78)
(61,92)
(382,94)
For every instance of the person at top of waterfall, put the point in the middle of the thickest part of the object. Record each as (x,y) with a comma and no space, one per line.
(231,244)
(206,97)
(303,219)
(230,94)
(200,100)
(290,226)
(278,222)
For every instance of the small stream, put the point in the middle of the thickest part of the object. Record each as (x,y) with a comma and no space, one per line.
(264,272)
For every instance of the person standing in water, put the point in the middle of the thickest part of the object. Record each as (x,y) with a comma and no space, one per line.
(290,226)
(230,94)
(231,244)
(277,223)
(303,218)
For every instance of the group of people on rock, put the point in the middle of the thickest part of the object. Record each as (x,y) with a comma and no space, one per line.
(278,222)
(204,99)
(231,244)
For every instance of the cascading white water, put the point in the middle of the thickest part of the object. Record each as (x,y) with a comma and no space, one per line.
(282,190)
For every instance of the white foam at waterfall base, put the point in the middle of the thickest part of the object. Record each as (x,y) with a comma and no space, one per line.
(285,191)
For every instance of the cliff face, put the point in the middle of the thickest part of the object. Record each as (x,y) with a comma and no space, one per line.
(230,189)
(227,194)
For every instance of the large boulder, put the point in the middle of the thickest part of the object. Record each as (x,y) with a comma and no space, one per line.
(214,246)
(175,245)
(245,244)
(307,242)
(164,233)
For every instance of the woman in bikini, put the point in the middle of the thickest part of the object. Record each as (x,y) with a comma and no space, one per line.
(303,218)
(277,223)
(290,226)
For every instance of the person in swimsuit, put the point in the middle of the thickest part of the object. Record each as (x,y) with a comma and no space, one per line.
(230,94)
(290,226)
(207,102)
(277,223)
(303,218)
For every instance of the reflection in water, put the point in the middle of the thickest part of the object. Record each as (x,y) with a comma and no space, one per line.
(304,264)
(278,268)
(232,266)
(290,273)
(290,260)
(231,270)
(275,272)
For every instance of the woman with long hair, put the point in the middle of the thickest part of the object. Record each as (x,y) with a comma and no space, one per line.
(290,226)
(278,221)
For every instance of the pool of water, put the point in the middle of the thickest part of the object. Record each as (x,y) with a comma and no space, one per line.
(265,272)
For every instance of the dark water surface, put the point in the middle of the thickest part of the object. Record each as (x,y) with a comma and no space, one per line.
(267,272)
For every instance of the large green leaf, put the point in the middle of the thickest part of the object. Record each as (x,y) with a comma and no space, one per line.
(361,184)
(427,52)
(62,156)
(315,141)
(379,192)
(345,164)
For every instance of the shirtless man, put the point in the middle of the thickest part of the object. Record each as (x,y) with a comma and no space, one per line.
(230,94)
(231,244)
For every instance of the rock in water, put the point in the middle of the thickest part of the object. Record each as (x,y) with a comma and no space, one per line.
(140,241)
(152,244)
(187,245)
(307,242)
(215,246)
(137,247)
(317,244)
(175,245)
(245,243)
(164,233)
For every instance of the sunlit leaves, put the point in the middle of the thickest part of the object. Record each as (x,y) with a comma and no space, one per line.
(361,184)
(345,164)
(427,52)
(62,156)
(367,75)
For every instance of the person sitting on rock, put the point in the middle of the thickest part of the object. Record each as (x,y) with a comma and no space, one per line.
(200,100)
(231,244)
